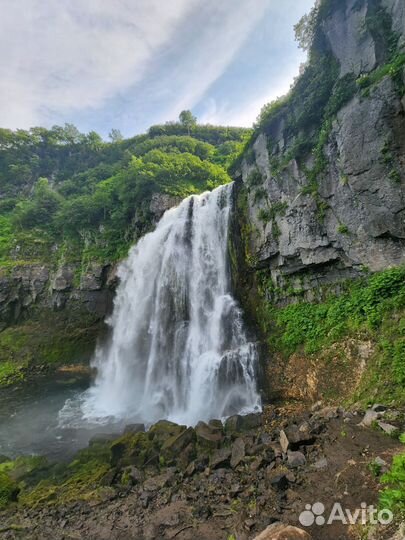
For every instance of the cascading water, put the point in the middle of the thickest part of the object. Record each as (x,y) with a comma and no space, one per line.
(178,348)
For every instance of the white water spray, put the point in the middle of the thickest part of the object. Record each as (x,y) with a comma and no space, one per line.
(178,348)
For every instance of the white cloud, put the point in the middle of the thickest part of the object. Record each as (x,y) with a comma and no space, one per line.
(71,55)
(245,114)
(129,63)
(218,43)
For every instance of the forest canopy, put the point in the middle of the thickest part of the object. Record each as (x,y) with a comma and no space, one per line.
(64,190)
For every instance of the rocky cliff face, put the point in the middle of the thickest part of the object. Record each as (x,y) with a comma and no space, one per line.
(53,313)
(67,289)
(337,208)
(28,288)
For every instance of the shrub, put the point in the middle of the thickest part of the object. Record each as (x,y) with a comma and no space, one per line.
(343,229)
(364,304)
(8,490)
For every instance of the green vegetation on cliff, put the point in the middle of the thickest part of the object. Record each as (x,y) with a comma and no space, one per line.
(305,115)
(371,309)
(66,194)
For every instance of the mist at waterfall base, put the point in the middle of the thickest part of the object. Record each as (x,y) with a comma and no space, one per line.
(178,349)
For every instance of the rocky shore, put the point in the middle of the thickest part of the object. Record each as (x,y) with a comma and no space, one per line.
(248,478)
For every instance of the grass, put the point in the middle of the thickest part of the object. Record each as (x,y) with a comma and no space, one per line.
(343,229)
(392,69)
(10,373)
(49,340)
(62,484)
(364,306)
(393,496)
(369,309)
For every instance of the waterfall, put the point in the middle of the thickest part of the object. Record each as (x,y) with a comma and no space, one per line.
(178,348)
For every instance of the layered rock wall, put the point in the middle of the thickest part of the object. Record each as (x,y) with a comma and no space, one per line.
(354,219)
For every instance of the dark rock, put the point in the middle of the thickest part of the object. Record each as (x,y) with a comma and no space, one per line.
(278,481)
(208,436)
(257,464)
(108,478)
(238,452)
(327,413)
(132,475)
(221,458)
(216,424)
(296,459)
(378,408)
(160,202)
(295,436)
(155,483)
(238,423)
(174,445)
(134,449)
(163,430)
(145,499)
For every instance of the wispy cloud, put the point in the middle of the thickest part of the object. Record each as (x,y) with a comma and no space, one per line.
(71,55)
(245,113)
(221,30)
(129,63)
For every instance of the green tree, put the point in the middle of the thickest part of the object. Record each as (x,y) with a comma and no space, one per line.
(305,29)
(188,120)
(38,211)
(115,135)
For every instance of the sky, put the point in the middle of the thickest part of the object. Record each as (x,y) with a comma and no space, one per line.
(129,64)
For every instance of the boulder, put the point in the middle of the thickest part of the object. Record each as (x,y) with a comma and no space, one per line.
(221,458)
(281,531)
(208,436)
(239,423)
(370,417)
(133,449)
(388,428)
(381,464)
(155,483)
(238,452)
(174,445)
(216,425)
(296,459)
(295,436)
(186,456)
(257,464)
(327,413)
(131,475)
(277,481)
(163,430)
